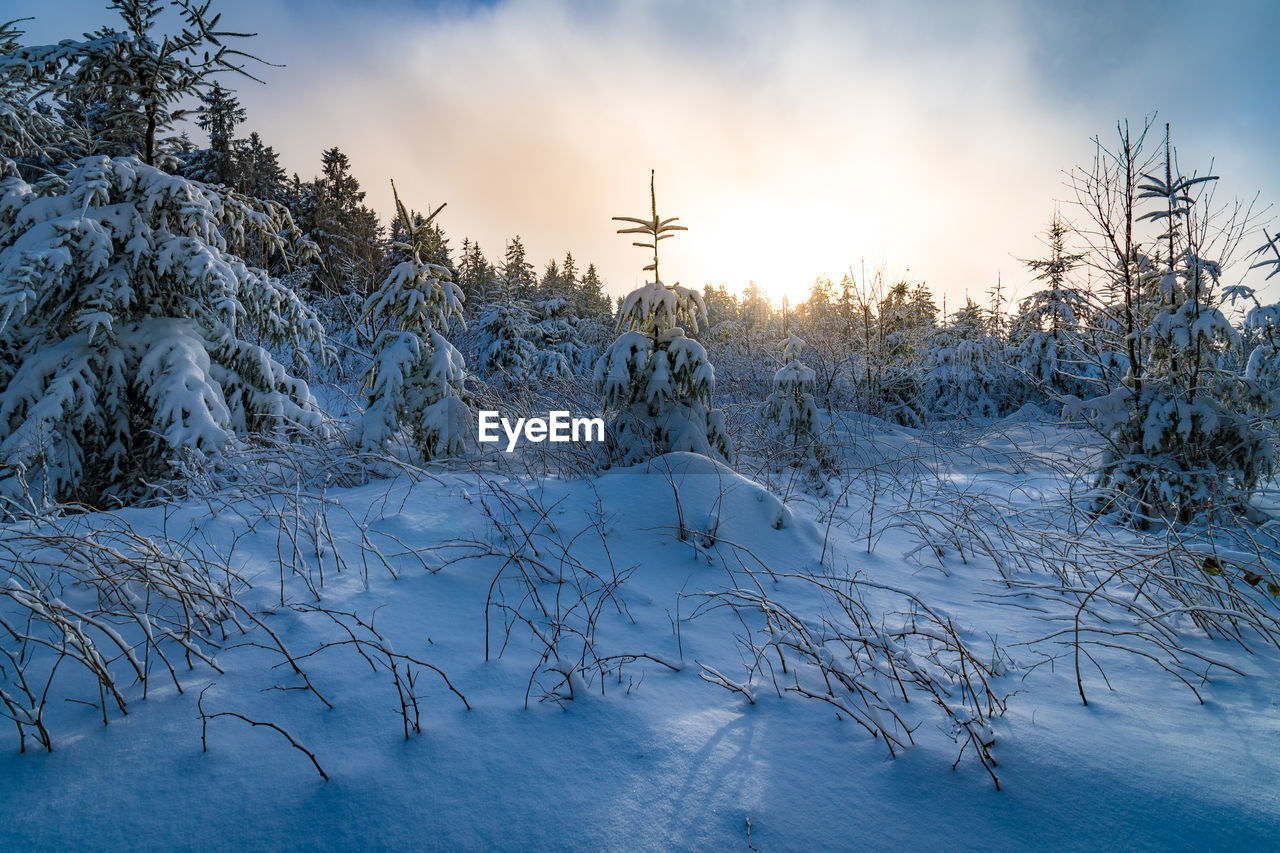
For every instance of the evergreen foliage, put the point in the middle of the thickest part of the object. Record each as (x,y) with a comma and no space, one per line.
(129,86)
(656,381)
(123,323)
(1049,321)
(968,372)
(792,411)
(220,114)
(333,213)
(417,378)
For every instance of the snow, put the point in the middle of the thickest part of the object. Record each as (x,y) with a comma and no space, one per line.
(650,758)
(657,381)
(116,286)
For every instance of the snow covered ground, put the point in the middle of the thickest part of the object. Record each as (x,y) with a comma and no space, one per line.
(605,590)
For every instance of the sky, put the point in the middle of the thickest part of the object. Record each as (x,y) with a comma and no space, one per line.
(930,139)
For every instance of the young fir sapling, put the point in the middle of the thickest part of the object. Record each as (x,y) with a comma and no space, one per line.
(792,410)
(417,378)
(656,381)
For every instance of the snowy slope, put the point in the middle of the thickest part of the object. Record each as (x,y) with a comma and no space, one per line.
(645,756)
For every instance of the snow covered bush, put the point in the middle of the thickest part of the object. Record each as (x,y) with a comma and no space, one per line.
(417,376)
(1182,441)
(794,413)
(657,381)
(123,326)
(507,356)
(967,372)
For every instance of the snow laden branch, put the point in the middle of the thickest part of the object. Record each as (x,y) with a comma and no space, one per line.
(417,378)
(124,329)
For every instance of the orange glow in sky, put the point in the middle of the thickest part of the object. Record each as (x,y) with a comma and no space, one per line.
(792,139)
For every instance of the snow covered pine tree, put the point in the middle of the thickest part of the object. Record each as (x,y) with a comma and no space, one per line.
(1181,439)
(794,413)
(120,316)
(555,337)
(1048,322)
(657,381)
(967,368)
(417,376)
(122,307)
(506,354)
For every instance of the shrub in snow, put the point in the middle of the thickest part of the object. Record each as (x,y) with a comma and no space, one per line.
(122,328)
(794,413)
(1181,437)
(417,377)
(658,382)
(506,353)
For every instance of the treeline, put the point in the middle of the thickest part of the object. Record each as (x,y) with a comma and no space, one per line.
(519,323)
(159,298)
(108,104)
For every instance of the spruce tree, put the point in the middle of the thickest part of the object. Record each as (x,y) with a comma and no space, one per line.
(551,284)
(131,85)
(220,114)
(417,378)
(1049,320)
(257,170)
(904,323)
(507,354)
(517,273)
(656,381)
(793,412)
(344,229)
(594,301)
(123,324)
(475,276)
(967,372)
(555,337)
(569,277)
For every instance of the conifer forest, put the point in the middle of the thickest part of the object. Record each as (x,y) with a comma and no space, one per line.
(581,508)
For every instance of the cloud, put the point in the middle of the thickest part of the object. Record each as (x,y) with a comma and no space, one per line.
(792,139)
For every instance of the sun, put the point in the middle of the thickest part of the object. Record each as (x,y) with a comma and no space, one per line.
(782,245)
